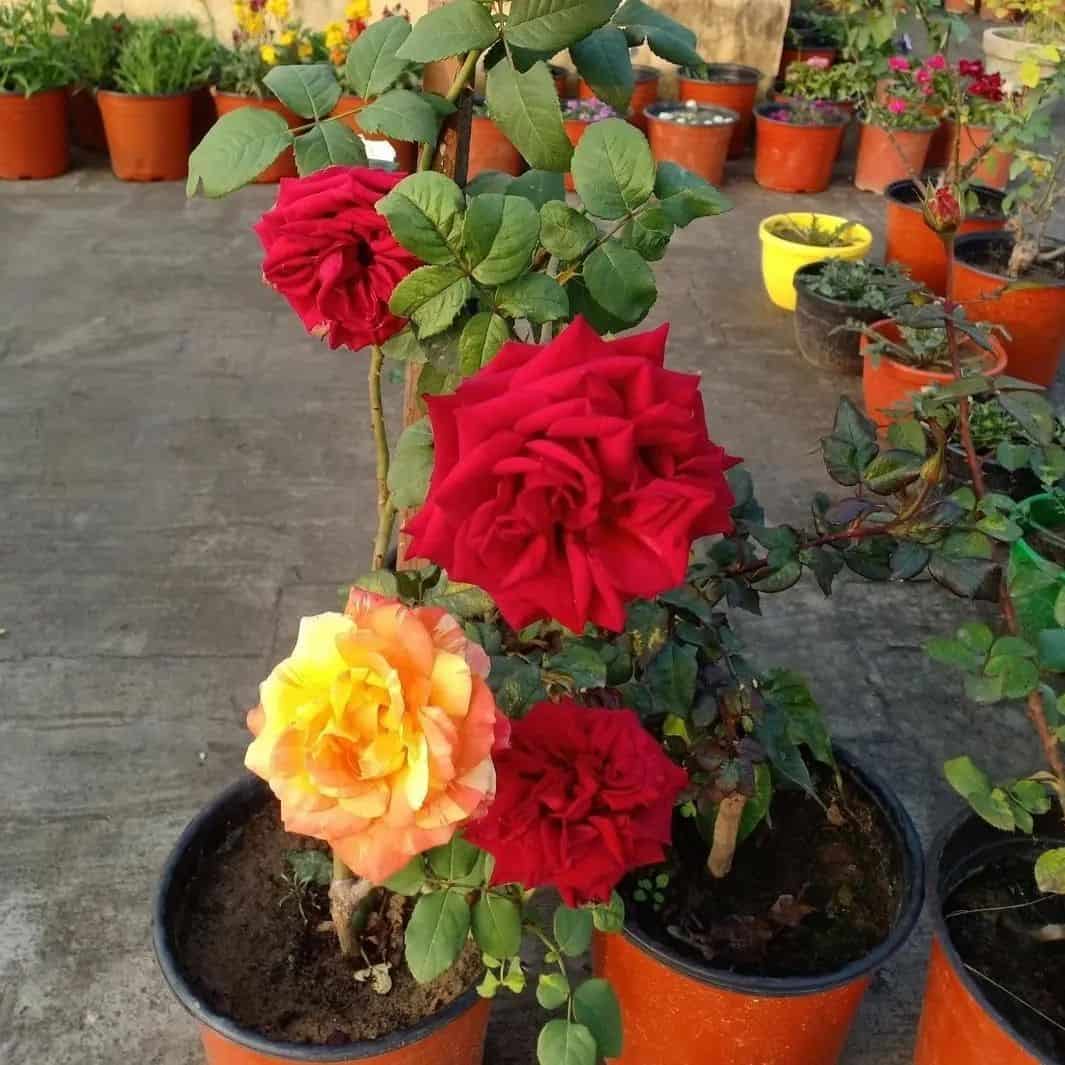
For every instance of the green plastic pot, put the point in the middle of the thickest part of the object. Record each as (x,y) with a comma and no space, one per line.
(1041,580)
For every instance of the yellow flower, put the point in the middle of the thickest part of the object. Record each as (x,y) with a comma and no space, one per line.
(255,24)
(278,8)
(334,35)
(377,733)
(306,50)
(357,9)
(287,38)
(269,54)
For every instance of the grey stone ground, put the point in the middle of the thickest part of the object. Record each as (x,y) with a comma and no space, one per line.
(183,474)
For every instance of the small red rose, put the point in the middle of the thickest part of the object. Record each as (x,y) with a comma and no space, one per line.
(583,797)
(333,257)
(571,478)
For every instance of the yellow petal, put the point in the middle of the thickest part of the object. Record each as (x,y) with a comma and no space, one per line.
(452,684)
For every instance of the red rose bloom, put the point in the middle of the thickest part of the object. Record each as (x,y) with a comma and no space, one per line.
(970,68)
(333,257)
(582,797)
(571,478)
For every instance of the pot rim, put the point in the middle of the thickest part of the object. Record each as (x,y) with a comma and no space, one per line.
(896,189)
(761,114)
(862,233)
(942,933)
(920,130)
(236,794)
(1009,33)
(743,74)
(969,240)
(147,95)
(654,113)
(913,873)
(66,87)
(808,270)
(997,357)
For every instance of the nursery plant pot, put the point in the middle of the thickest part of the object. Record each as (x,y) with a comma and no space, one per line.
(792,158)
(917,247)
(681,1012)
(701,149)
(731,86)
(490,150)
(888,384)
(406,152)
(964,1020)
(85,121)
(1032,311)
(148,136)
(285,164)
(1005,54)
(887,156)
(644,93)
(781,258)
(1036,608)
(34,140)
(993,169)
(454,1035)
(820,326)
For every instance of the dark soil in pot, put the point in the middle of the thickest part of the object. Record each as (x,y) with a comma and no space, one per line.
(248,940)
(993,255)
(1017,484)
(817,889)
(991,909)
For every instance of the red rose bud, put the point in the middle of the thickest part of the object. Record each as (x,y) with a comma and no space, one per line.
(583,796)
(942,210)
(333,257)
(572,477)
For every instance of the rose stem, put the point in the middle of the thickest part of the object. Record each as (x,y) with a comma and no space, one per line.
(386,511)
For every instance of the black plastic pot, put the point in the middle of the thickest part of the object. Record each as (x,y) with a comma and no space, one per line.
(820,326)
(223,1038)
(960,1025)
(785,1020)
(1017,484)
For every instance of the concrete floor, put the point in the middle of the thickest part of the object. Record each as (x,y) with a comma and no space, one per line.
(183,474)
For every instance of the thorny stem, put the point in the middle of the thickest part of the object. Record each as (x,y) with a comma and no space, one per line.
(386,511)
(465,72)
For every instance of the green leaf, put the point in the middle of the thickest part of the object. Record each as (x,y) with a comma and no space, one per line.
(906,434)
(973,785)
(596,1007)
(236,150)
(757,806)
(685,196)
(613,169)
(412,465)
(1035,415)
(381,582)
(1050,871)
(489,181)
(602,60)
(584,665)
(497,925)
(404,347)
(564,232)
(582,303)
(500,236)
(1032,795)
(665,37)
(455,862)
(460,600)
(1052,650)
(1018,676)
(908,560)
(649,233)
(551,25)
(1013,645)
(983,690)
(328,144)
(671,676)
(410,879)
(436,934)
(1012,456)
(538,187)
(955,653)
(573,930)
(483,335)
(432,297)
(515,683)
(372,65)
(892,470)
(309,89)
(402,115)
(852,445)
(537,297)
(620,281)
(552,990)
(424,212)
(525,107)
(310,867)
(454,29)
(789,691)
(610,918)
(565,1043)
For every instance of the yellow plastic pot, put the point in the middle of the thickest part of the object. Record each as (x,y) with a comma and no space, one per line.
(781,258)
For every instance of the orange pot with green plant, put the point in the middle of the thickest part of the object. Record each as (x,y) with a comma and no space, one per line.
(893,145)
(727,85)
(797,145)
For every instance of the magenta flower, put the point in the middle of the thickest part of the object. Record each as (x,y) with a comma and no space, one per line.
(898,63)
(936,62)
(897,107)
(819,62)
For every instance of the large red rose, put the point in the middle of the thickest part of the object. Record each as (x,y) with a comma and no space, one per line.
(572,478)
(333,257)
(582,797)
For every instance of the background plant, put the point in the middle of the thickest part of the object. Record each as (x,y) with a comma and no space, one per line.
(33,58)
(265,37)
(159,57)
(816,233)
(94,42)
(841,82)
(868,285)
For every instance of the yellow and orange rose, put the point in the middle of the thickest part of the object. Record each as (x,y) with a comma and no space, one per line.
(377,732)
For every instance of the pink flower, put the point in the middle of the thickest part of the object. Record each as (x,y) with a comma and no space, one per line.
(936,62)
(819,62)
(898,63)
(897,107)
(924,76)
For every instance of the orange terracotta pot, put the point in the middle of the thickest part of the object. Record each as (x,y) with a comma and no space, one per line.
(1032,313)
(85,121)
(644,93)
(285,165)
(575,129)
(455,1035)
(961,7)
(939,147)
(701,149)
(994,168)
(918,248)
(490,150)
(34,140)
(795,158)
(148,136)
(885,157)
(801,54)
(726,85)
(887,384)
(679,1012)
(959,1024)
(406,151)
